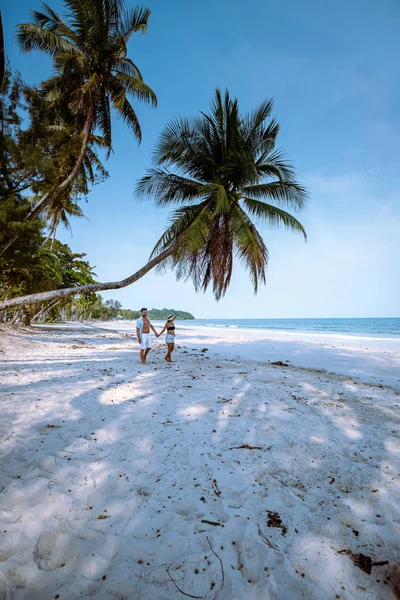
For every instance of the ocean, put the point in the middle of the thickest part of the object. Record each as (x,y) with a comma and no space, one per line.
(379,328)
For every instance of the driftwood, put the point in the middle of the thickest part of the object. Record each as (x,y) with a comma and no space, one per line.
(215,523)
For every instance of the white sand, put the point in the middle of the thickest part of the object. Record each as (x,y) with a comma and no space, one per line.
(372,360)
(109,469)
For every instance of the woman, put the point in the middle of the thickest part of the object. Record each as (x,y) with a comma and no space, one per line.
(170,337)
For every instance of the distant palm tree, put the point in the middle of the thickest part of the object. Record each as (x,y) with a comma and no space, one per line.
(92,72)
(227,171)
(227,166)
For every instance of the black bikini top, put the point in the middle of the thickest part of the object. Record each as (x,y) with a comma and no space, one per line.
(171,328)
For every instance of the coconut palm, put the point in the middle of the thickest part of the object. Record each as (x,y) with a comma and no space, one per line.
(226,171)
(92,72)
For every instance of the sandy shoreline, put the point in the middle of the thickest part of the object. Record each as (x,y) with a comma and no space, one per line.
(219,476)
(372,361)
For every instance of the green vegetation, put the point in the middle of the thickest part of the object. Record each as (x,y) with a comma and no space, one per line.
(92,307)
(91,75)
(162,314)
(222,168)
(30,158)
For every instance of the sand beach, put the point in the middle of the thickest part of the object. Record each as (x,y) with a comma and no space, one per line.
(221,475)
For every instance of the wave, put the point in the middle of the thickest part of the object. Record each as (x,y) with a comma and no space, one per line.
(292,333)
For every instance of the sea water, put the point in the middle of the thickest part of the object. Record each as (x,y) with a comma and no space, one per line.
(388,328)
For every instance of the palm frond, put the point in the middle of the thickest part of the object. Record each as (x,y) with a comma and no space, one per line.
(33,37)
(183,219)
(183,145)
(126,112)
(204,253)
(273,215)
(127,66)
(86,95)
(249,247)
(287,193)
(274,165)
(103,119)
(255,119)
(134,20)
(221,199)
(52,21)
(174,140)
(88,19)
(262,142)
(137,88)
(168,188)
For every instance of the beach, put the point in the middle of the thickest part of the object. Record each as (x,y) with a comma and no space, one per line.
(221,476)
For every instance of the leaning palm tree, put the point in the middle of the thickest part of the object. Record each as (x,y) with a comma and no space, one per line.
(92,72)
(228,171)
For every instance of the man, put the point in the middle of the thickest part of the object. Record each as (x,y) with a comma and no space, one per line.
(143,327)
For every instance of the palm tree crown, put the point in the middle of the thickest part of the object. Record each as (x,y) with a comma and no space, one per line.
(227,171)
(89,51)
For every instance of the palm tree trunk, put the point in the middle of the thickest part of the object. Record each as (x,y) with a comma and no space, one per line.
(84,289)
(16,315)
(50,196)
(53,194)
(43,311)
(46,240)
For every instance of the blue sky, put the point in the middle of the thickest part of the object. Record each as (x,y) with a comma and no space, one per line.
(332,69)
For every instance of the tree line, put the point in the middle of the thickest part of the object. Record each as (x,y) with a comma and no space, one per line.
(222,170)
(92,307)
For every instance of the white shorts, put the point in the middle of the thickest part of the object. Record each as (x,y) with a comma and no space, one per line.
(146,341)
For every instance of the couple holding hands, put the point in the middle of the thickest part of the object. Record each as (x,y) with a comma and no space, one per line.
(143,326)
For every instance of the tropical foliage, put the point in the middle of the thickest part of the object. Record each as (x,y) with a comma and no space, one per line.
(29,158)
(161,314)
(222,170)
(226,171)
(34,156)
(92,74)
(45,267)
(92,307)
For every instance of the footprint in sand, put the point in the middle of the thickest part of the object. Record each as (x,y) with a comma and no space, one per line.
(16,577)
(54,551)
